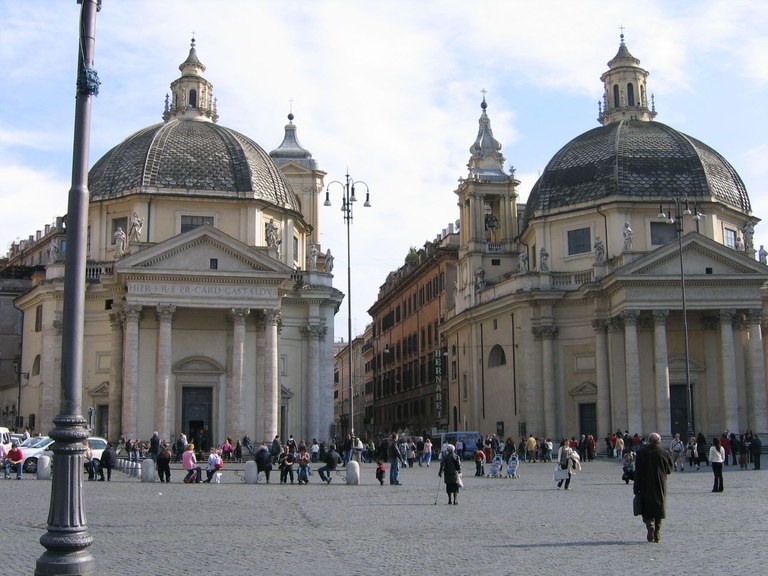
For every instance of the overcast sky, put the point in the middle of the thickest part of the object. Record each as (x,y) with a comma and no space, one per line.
(390,89)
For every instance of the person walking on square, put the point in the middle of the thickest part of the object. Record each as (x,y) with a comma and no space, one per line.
(332,459)
(263,460)
(618,450)
(395,460)
(108,462)
(702,451)
(189,462)
(380,472)
(756,446)
(652,466)
(14,461)
(691,452)
(214,464)
(302,459)
(479,461)
(450,470)
(163,463)
(285,463)
(427,452)
(716,458)
(677,450)
(564,461)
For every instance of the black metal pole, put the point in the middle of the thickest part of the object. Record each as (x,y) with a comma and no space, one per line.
(347,209)
(689,403)
(67,537)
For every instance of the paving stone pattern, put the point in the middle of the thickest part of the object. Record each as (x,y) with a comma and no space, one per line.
(501,526)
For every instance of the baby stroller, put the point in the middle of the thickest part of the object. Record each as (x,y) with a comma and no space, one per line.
(497,465)
(512,465)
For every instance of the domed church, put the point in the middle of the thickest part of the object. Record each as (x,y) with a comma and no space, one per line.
(210,304)
(624,294)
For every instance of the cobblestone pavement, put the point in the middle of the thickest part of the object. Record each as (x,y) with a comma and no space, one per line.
(501,526)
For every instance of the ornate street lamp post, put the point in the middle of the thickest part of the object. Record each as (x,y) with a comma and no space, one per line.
(348,199)
(67,537)
(678,208)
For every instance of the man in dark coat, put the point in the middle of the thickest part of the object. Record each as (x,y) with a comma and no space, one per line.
(108,462)
(652,466)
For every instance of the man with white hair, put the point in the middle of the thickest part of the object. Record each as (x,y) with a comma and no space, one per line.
(652,466)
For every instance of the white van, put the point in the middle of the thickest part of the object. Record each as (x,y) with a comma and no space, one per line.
(5,436)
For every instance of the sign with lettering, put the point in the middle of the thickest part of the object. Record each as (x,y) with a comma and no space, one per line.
(220,293)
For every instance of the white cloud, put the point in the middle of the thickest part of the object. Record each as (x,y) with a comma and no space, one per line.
(390,90)
(31,199)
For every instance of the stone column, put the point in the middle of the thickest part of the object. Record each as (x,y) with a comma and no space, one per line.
(271,375)
(163,371)
(602,379)
(114,426)
(260,378)
(552,416)
(728,377)
(312,391)
(50,374)
(236,419)
(634,405)
(757,400)
(131,371)
(534,401)
(661,366)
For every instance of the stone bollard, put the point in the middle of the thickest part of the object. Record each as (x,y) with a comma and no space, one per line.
(43,467)
(148,470)
(251,472)
(353,473)
(134,469)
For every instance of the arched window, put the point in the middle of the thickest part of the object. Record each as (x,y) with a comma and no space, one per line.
(496,357)
(616,101)
(193,98)
(642,95)
(36,366)
(630,94)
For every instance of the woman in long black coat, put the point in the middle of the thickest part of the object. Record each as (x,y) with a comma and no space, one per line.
(450,469)
(652,466)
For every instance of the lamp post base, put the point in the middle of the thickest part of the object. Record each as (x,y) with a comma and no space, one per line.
(79,563)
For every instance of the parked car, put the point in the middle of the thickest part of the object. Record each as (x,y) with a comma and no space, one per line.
(98,445)
(5,438)
(31,449)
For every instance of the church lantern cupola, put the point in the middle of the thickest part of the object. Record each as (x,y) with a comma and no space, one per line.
(626,95)
(191,95)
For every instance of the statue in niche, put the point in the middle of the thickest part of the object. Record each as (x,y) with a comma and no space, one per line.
(134,231)
(739,247)
(749,233)
(54,254)
(628,234)
(120,242)
(313,253)
(522,262)
(599,251)
(480,279)
(272,234)
(328,267)
(762,255)
(544,260)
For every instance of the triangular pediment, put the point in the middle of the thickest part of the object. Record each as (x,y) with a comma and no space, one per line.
(702,257)
(584,389)
(203,250)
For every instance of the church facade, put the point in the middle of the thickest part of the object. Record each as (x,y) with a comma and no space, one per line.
(209,304)
(624,294)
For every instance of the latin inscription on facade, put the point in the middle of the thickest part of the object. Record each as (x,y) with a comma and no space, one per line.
(151,289)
